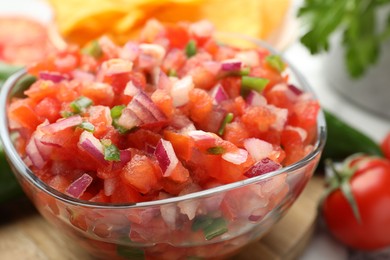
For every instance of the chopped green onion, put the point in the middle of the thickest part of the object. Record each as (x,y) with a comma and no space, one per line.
(87,126)
(244,71)
(276,62)
(252,83)
(93,49)
(66,114)
(80,104)
(130,252)
(228,118)
(216,150)
(111,152)
(172,73)
(116,111)
(191,48)
(211,227)
(201,222)
(217,228)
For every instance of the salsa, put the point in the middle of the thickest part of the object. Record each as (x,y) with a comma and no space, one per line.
(168,114)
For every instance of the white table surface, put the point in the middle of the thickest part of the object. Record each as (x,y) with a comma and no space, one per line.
(322,246)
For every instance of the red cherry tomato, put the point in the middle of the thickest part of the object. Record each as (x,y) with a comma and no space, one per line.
(385,146)
(370,188)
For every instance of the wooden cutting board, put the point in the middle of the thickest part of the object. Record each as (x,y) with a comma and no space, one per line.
(24,234)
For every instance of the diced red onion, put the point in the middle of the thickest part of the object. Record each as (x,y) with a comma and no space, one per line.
(168,211)
(130,89)
(295,89)
(147,102)
(62,124)
(79,186)
(218,94)
(249,58)
(164,82)
(182,122)
(231,65)
(281,117)
(129,51)
(109,186)
(44,150)
(116,66)
(261,167)
(150,149)
(180,91)
(302,132)
(124,157)
(33,153)
(89,143)
(83,75)
(202,28)
(189,207)
(258,214)
(212,66)
(257,148)
(154,50)
(128,119)
(198,135)
(166,157)
(142,112)
(255,99)
(52,76)
(238,157)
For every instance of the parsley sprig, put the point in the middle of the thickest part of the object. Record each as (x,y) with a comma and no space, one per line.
(358,22)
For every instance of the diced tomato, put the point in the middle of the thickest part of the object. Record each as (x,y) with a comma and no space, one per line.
(21,113)
(99,93)
(164,102)
(42,89)
(100,117)
(176,35)
(236,133)
(48,108)
(200,104)
(142,137)
(142,174)
(232,86)
(182,144)
(174,60)
(211,46)
(273,76)
(258,119)
(125,193)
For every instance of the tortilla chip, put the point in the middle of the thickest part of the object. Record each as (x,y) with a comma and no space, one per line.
(82,21)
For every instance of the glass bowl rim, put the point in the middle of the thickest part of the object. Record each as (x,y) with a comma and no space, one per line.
(28,175)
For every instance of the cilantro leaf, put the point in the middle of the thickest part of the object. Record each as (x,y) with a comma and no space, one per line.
(357,21)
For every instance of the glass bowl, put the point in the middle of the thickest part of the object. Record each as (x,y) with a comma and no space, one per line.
(227,217)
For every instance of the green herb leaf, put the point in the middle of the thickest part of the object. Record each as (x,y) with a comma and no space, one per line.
(116,111)
(216,228)
(216,150)
(228,118)
(276,62)
(87,126)
(111,152)
(191,48)
(211,227)
(80,104)
(252,83)
(356,20)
